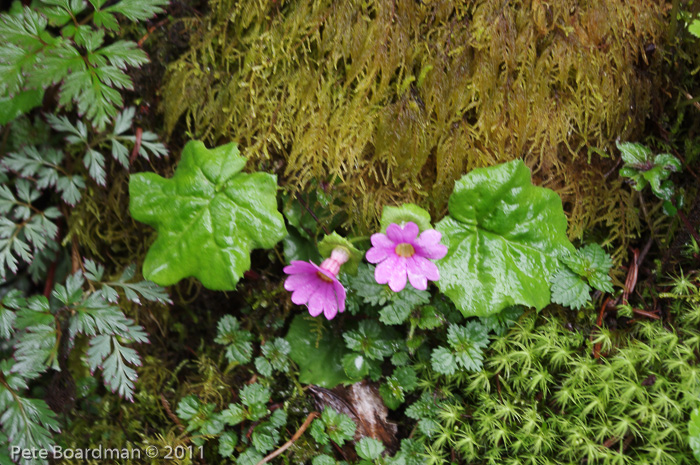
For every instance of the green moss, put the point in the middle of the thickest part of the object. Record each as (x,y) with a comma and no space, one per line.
(398,99)
(545,398)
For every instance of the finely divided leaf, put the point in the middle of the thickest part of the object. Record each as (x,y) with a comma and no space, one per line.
(138,10)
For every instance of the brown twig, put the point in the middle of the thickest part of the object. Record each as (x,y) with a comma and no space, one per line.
(166,405)
(631,281)
(596,347)
(289,443)
(48,287)
(639,311)
(137,145)
(76,260)
(313,215)
(150,31)
(644,252)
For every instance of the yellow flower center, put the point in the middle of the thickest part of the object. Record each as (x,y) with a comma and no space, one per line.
(324,277)
(405,250)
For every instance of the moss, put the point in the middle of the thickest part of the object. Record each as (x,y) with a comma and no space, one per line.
(544,397)
(398,99)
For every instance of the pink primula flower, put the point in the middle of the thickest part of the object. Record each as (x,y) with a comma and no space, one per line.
(318,287)
(402,254)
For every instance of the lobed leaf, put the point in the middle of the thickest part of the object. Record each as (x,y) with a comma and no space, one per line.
(209,216)
(504,237)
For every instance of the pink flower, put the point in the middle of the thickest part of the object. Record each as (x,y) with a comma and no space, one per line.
(402,254)
(318,287)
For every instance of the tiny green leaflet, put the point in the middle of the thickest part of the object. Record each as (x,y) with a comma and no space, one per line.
(209,216)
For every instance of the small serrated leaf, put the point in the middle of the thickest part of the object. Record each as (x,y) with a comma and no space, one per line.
(443,361)
(369,448)
(569,289)
(237,341)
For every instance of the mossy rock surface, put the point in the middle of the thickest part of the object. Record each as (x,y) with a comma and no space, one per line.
(392,101)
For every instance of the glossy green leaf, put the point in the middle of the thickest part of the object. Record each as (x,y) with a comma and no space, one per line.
(297,247)
(323,459)
(443,361)
(209,216)
(694,433)
(264,437)
(643,168)
(694,28)
(237,341)
(356,366)
(338,427)
(592,263)
(317,351)
(249,457)
(635,154)
(504,237)
(500,322)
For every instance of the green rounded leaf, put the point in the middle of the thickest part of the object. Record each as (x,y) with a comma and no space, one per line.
(504,237)
(209,216)
(694,433)
(318,352)
(569,289)
(403,214)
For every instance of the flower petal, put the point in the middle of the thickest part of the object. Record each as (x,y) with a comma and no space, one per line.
(397,281)
(406,234)
(297,281)
(425,267)
(381,240)
(317,302)
(328,274)
(339,296)
(302,295)
(298,267)
(415,274)
(331,309)
(377,254)
(428,245)
(384,271)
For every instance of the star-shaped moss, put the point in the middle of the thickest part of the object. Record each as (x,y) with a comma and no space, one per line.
(209,216)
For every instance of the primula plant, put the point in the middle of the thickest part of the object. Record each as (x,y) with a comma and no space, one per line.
(380,233)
